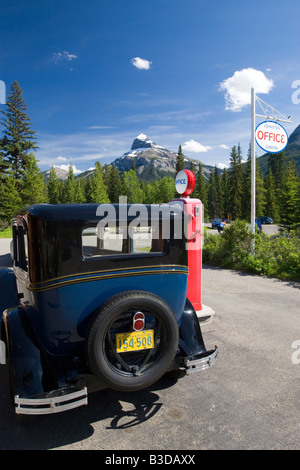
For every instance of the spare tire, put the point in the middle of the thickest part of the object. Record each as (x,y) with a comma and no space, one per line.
(123,357)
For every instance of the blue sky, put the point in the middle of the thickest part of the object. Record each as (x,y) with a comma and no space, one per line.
(97,73)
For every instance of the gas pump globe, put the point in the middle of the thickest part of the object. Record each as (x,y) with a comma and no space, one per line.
(185,182)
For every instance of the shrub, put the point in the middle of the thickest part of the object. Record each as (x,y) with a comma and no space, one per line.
(273,256)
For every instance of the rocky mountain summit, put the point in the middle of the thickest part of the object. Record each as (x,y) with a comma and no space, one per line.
(152,161)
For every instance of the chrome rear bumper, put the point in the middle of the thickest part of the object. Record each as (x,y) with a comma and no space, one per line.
(53,402)
(203,361)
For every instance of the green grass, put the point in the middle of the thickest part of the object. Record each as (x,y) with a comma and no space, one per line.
(7,233)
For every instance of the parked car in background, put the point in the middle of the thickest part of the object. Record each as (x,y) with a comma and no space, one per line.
(216,223)
(265,220)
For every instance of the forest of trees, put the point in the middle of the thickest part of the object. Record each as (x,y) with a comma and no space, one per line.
(226,194)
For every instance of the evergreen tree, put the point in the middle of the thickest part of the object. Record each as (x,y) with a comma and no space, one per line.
(289,197)
(79,192)
(32,183)
(260,192)
(201,189)
(271,202)
(10,199)
(219,198)
(53,187)
(18,137)
(88,189)
(131,187)
(235,183)
(114,185)
(212,197)
(133,165)
(98,187)
(179,160)
(69,195)
(277,163)
(246,198)
(3,163)
(165,190)
(150,194)
(225,194)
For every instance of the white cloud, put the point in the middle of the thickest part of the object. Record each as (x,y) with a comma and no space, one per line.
(142,64)
(222,165)
(224,146)
(63,56)
(238,87)
(66,167)
(196,147)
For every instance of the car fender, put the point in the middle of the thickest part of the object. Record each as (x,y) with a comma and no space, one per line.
(28,373)
(190,335)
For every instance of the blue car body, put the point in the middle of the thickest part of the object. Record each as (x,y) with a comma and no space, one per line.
(63,285)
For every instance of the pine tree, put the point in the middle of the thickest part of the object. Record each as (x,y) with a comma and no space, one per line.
(246,197)
(32,183)
(88,189)
(277,163)
(69,196)
(114,185)
(201,189)
(235,182)
(131,187)
(289,197)
(219,198)
(179,160)
(53,187)
(79,192)
(10,199)
(98,187)
(225,194)
(211,197)
(271,202)
(3,163)
(260,192)
(18,137)
(150,194)
(165,190)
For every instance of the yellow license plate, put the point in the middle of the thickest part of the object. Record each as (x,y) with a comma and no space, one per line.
(135,341)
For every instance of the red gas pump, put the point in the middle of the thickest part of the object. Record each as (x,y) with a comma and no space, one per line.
(185,182)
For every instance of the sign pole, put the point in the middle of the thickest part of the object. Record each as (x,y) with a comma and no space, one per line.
(253,170)
(270,135)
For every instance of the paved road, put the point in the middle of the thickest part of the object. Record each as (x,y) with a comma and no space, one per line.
(248,400)
(269,229)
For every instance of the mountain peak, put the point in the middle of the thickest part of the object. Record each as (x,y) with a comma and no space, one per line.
(142,141)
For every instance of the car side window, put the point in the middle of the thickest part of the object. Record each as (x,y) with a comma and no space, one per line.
(20,247)
(105,241)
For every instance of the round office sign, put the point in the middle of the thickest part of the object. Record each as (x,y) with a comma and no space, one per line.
(271,137)
(185,182)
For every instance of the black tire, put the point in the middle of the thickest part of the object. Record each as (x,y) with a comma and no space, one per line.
(135,370)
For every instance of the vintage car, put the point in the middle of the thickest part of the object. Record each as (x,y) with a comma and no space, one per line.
(95,300)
